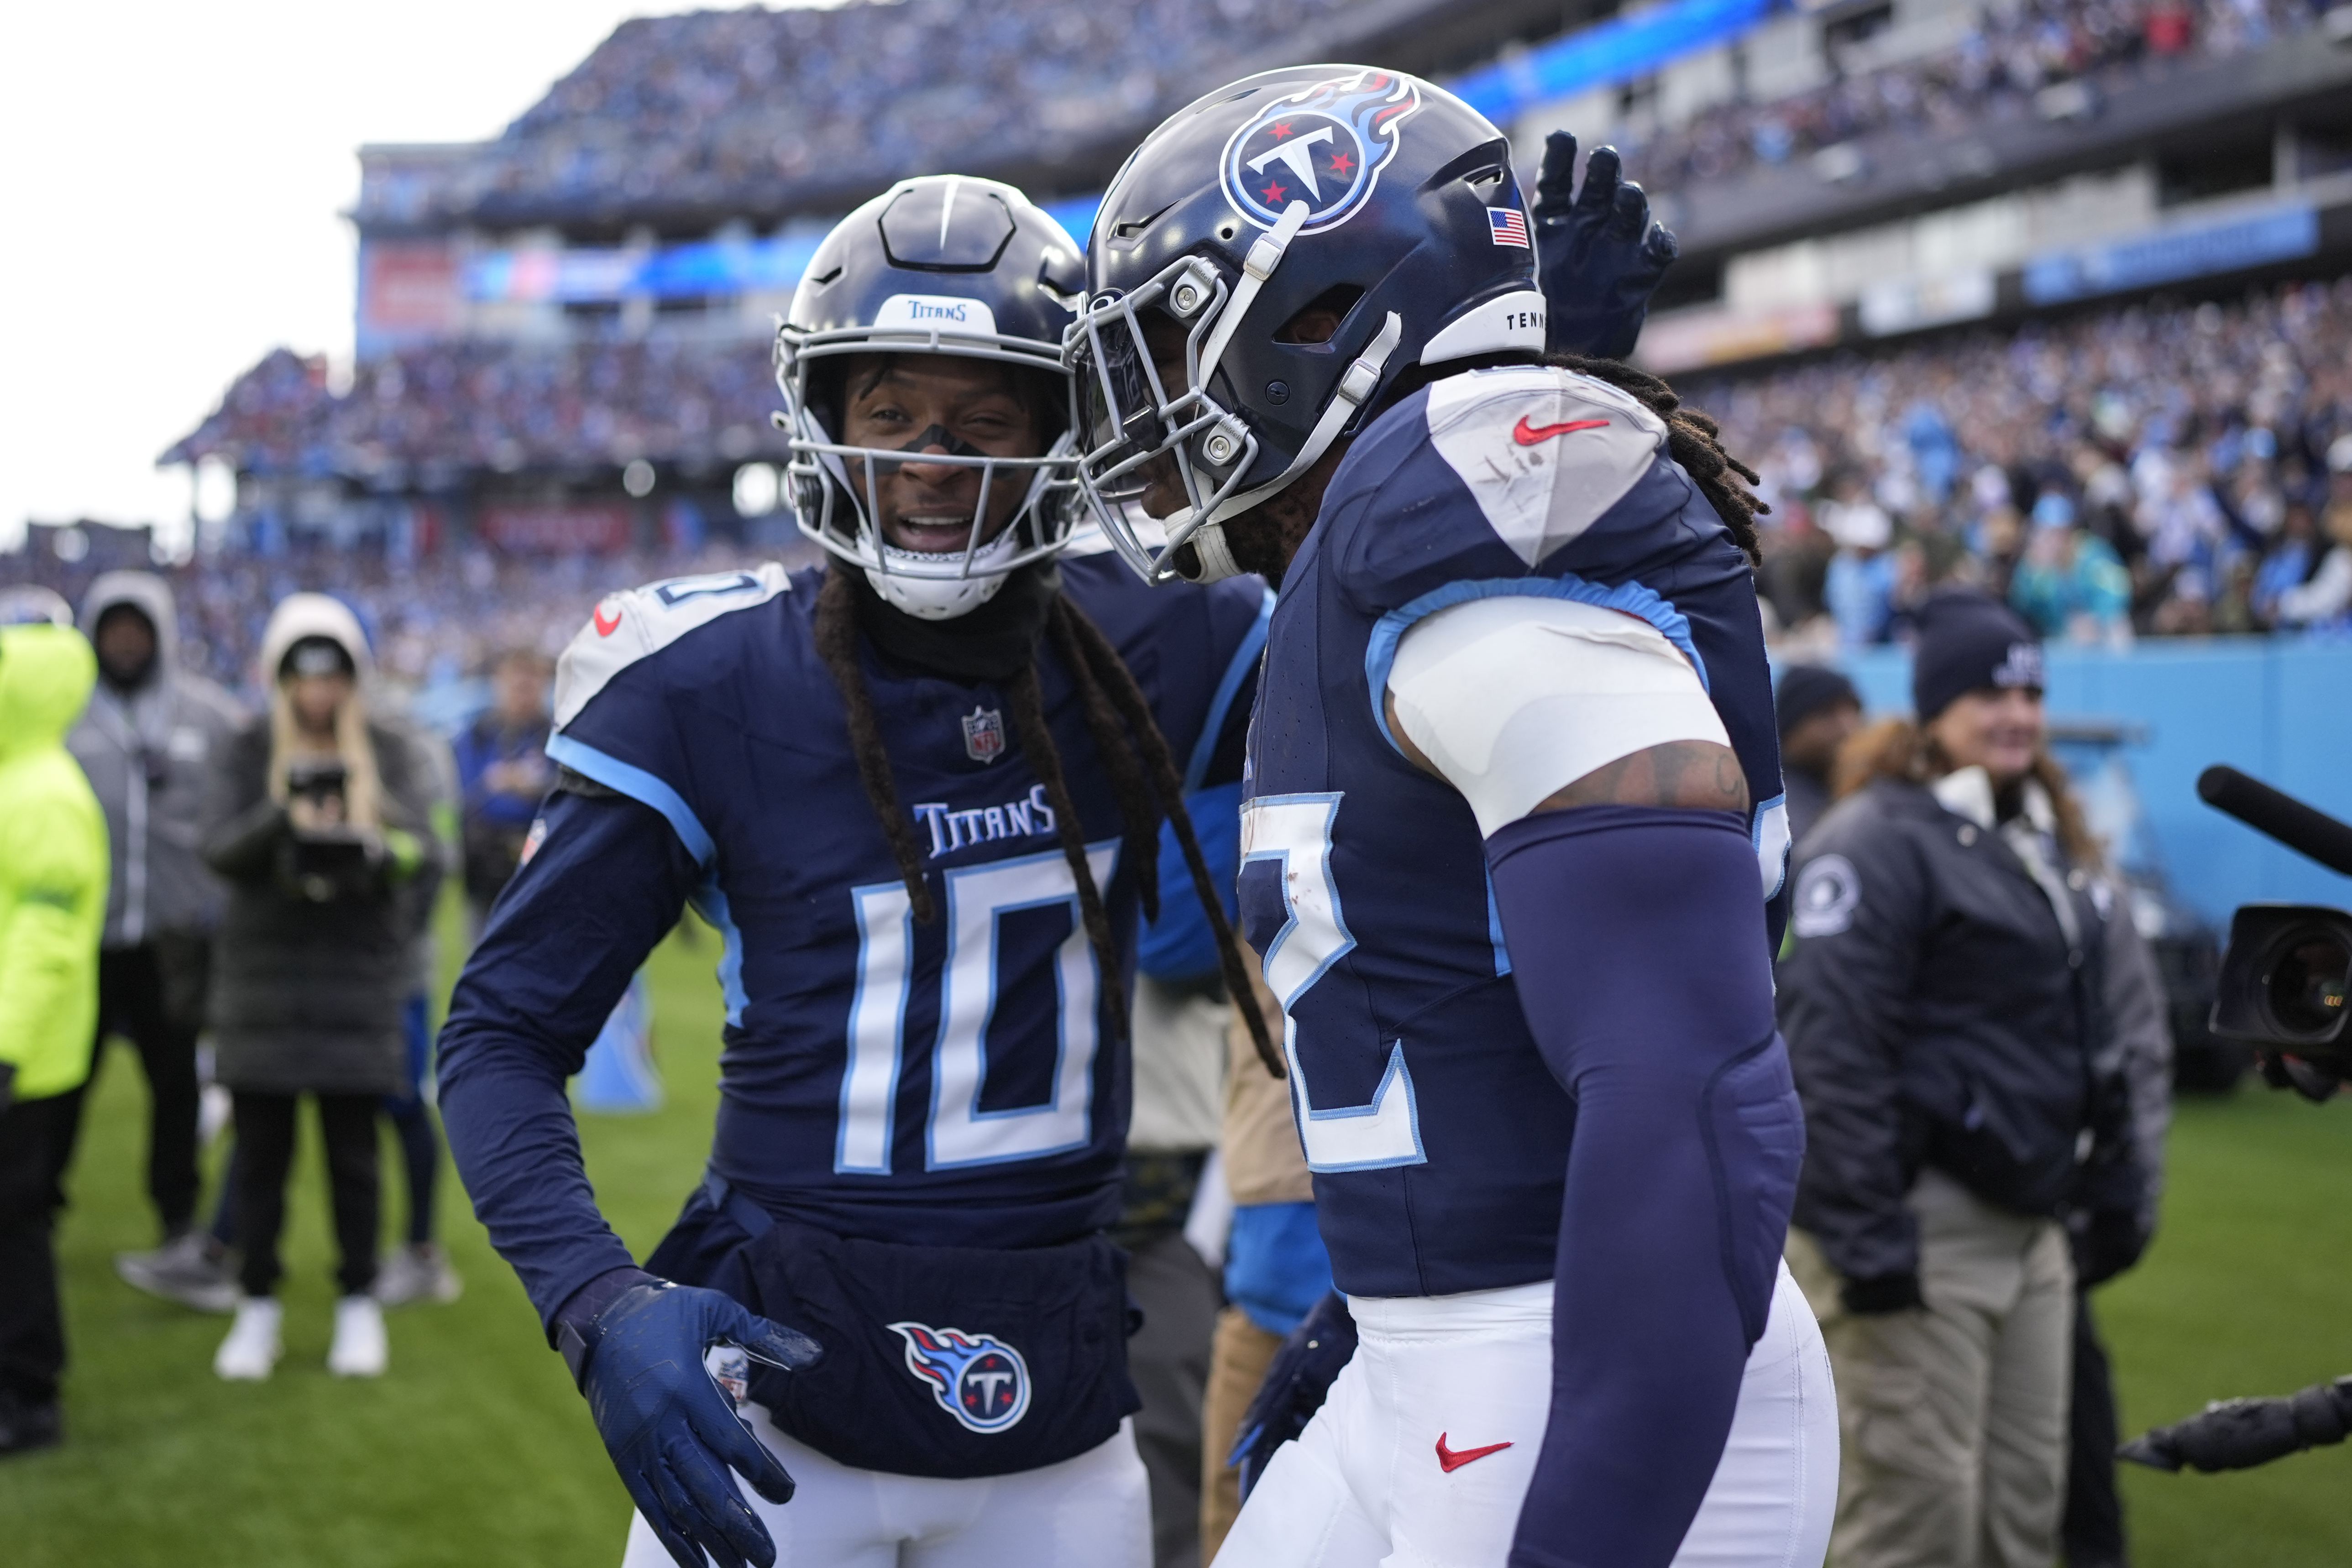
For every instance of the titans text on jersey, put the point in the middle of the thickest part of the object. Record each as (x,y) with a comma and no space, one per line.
(944,1083)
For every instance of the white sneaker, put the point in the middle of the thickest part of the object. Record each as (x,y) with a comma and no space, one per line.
(252,1347)
(360,1349)
(418,1272)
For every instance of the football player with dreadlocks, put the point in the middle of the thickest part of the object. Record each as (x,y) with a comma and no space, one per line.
(919,792)
(1512,839)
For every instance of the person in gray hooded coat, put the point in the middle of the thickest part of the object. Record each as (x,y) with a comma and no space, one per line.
(147,742)
(319,817)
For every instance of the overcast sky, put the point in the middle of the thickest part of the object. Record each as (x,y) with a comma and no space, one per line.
(172,177)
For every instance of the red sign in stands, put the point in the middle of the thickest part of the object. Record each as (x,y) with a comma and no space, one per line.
(576,528)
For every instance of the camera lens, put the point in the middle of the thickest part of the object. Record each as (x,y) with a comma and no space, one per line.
(2306,988)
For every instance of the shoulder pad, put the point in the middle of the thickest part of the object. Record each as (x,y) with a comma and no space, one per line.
(1545,452)
(638,622)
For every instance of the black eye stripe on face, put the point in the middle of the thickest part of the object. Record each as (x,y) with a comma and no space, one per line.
(940,435)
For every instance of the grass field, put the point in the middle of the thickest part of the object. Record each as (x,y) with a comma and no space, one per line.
(475,1449)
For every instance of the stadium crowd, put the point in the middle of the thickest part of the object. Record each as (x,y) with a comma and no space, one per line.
(713,108)
(499,406)
(2152,470)
(435,625)
(2017,49)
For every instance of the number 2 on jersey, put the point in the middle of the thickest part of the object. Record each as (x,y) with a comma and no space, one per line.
(957,1131)
(1295,833)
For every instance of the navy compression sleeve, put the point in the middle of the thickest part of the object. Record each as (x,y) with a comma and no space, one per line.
(605,885)
(1640,963)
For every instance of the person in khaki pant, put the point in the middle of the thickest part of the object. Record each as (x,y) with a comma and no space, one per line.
(1944,1000)
(1273,1204)
(1953,1420)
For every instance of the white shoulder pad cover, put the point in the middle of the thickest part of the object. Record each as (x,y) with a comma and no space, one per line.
(1544,450)
(1515,698)
(636,621)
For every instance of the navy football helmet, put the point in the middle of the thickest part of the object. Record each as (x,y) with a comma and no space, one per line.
(1370,194)
(941,265)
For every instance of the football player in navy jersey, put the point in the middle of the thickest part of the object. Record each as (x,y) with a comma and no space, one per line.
(918,792)
(1512,839)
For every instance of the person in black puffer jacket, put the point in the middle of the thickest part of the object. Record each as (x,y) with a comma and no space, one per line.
(1945,1004)
(318,818)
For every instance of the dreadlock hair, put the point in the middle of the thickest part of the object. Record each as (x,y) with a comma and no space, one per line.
(1127,741)
(1693,440)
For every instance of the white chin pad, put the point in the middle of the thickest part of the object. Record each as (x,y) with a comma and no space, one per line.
(928,587)
(1514,698)
(1212,556)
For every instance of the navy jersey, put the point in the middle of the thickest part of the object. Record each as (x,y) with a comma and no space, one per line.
(1437,1136)
(940,1082)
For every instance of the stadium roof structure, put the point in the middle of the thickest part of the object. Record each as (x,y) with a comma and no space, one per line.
(684,122)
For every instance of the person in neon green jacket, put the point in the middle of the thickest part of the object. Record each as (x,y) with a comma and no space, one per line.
(53,875)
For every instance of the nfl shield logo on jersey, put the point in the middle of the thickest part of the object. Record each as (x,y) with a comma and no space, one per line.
(976,1377)
(983,734)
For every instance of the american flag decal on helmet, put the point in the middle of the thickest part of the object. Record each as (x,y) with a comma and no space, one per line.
(1510,227)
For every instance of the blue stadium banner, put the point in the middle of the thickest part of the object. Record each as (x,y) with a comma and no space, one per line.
(2168,255)
(1616,50)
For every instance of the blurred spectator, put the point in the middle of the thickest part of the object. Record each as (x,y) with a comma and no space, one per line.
(1959,1100)
(1816,708)
(2106,1233)
(318,816)
(146,742)
(2070,584)
(503,772)
(53,862)
(419,1269)
(2325,596)
(1860,587)
(1276,1268)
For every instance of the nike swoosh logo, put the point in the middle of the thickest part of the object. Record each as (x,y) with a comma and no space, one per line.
(1448,1459)
(1527,434)
(606,628)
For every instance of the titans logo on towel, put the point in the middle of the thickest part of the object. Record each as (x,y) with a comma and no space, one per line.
(976,1377)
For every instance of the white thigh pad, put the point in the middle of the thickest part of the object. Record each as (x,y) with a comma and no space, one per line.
(1512,698)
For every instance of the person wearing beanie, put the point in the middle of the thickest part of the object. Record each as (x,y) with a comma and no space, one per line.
(318,818)
(1815,708)
(1967,1008)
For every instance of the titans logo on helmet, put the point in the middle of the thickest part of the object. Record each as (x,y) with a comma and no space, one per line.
(1324,145)
(976,1377)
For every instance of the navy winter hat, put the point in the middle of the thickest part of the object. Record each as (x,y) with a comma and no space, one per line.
(1806,690)
(1969,641)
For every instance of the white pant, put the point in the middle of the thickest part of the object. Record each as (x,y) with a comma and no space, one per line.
(1091,1511)
(1363,1486)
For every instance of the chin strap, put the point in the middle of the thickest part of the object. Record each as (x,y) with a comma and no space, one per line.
(1258,266)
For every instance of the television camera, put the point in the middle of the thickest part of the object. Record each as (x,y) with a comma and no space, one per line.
(2281,989)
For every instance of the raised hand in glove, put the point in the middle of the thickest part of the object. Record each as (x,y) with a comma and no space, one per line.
(1295,1386)
(672,1432)
(1600,256)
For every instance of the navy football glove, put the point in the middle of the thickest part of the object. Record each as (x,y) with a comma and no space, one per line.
(1295,1386)
(672,1432)
(1600,256)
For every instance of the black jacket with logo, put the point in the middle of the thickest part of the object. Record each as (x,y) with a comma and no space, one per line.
(1938,1013)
